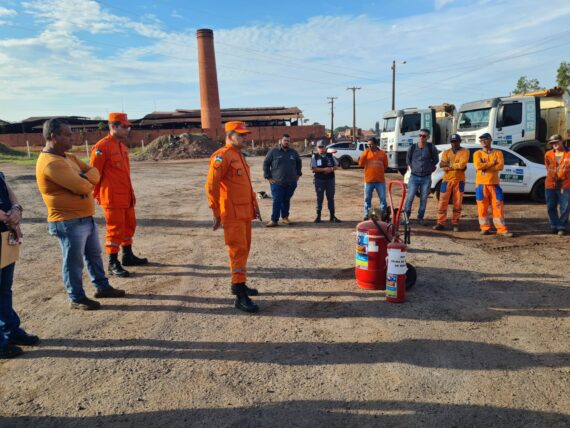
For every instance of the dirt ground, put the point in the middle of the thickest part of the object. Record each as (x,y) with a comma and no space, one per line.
(483,340)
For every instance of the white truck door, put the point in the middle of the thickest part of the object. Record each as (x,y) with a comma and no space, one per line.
(511,123)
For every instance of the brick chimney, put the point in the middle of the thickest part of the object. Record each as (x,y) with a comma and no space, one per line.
(211,116)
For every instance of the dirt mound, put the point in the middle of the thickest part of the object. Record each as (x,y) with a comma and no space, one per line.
(183,146)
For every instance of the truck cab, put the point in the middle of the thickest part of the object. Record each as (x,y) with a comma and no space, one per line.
(400,129)
(514,122)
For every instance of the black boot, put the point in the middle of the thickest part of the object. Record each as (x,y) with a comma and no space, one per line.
(318,218)
(129,259)
(248,291)
(243,302)
(334,219)
(115,267)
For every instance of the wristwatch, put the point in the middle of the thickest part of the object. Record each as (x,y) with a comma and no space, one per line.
(18,207)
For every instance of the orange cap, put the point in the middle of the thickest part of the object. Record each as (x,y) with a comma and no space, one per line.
(238,127)
(120,117)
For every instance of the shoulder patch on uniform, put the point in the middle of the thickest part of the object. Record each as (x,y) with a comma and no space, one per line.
(98,152)
(218,159)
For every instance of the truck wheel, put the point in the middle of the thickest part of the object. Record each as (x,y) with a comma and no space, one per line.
(411,276)
(402,171)
(537,192)
(345,163)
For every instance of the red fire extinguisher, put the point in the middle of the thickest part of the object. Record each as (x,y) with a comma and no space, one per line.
(381,253)
(396,272)
(370,258)
(399,274)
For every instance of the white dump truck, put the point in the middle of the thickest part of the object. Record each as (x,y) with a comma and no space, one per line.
(400,129)
(521,123)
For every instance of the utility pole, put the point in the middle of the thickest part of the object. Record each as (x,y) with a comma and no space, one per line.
(394,83)
(331,102)
(353,89)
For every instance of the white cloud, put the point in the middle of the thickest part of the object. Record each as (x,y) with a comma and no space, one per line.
(60,70)
(441,3)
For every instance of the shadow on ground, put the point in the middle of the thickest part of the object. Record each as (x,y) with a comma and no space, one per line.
(313,413)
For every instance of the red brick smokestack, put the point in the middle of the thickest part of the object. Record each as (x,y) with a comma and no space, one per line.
(211,116)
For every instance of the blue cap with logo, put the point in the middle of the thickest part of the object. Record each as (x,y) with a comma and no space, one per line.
(455,137)
(485,136)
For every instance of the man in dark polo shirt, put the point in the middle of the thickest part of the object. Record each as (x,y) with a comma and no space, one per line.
(422,160)
(282,168)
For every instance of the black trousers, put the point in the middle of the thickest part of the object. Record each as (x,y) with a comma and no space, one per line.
(323,187)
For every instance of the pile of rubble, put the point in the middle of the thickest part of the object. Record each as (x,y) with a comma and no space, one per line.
(183,146)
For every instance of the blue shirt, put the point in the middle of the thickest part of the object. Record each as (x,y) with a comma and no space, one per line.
(422,162)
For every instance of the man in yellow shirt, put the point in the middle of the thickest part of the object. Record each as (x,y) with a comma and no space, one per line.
(454,163)
(488,163)
(374,161)
(66,184)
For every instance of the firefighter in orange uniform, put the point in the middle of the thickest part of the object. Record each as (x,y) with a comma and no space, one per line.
(488,163)
(115,194)
(234,205)
(454,163)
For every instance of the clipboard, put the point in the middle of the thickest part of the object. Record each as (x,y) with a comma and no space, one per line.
(8,253)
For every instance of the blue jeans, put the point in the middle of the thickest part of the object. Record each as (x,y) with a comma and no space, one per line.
(369,190)
(9,320)
(282,194)
(554,199)
(415,183)
(79,241)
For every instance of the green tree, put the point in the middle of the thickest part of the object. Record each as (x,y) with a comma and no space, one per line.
(341,129)
(377,129)
(525,84)
(563,75)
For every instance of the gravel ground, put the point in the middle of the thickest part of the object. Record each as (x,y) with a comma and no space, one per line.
(483,339)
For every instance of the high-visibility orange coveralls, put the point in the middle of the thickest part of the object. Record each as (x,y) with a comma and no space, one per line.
(487,189)
(453,184)
(231,198)
(115,192)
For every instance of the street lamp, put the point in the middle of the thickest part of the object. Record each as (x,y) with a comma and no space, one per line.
(394,83)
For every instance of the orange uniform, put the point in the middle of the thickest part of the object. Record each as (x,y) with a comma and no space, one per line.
(557,170)
(374,163)
(232,199)
(487,189)
(453,184)
(115,192)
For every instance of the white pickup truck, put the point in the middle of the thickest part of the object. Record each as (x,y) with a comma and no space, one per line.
(347,153)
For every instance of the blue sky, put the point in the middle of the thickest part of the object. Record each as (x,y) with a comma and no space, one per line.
(87,57)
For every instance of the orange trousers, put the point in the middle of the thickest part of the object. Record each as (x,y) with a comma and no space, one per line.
(237,235)
(121,225)
(453,189)
(490,195)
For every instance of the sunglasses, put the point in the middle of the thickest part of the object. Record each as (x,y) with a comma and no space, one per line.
(424,136)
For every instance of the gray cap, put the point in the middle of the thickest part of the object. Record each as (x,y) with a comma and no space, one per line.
(555,137)
(321,143)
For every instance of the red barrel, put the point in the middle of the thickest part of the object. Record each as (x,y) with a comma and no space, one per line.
(396,272)
(371,255)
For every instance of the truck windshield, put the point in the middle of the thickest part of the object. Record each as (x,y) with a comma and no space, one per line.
(389,124)
(474,119)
